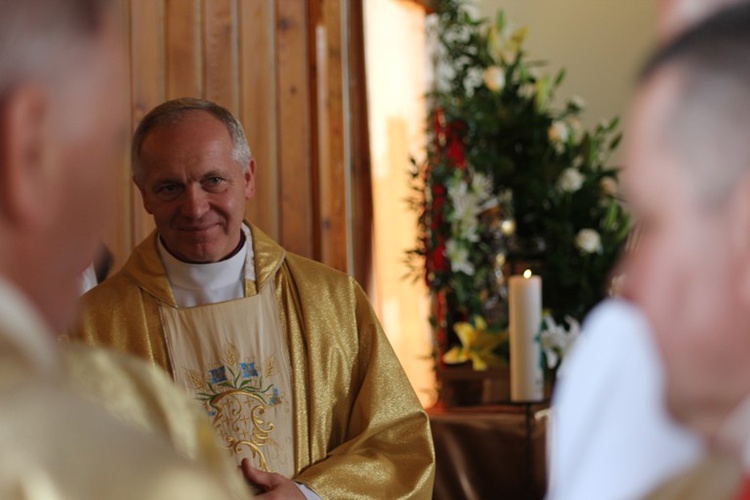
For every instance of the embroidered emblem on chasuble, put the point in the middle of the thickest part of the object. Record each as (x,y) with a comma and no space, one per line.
(232,356)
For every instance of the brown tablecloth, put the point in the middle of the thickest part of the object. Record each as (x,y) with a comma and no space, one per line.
(490,452)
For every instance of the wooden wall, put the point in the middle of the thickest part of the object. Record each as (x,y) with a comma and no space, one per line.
(293,72)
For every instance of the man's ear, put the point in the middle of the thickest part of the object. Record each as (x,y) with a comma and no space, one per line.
(23,180)
(249,176)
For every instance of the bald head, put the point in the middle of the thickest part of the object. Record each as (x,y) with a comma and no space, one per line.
(38,38)
(62,118)
(687,182)
(708,123)
(177,111)
(676,16)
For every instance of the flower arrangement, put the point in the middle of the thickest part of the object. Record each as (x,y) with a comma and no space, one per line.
(509,182)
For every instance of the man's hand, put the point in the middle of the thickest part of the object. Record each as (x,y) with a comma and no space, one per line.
(274,486)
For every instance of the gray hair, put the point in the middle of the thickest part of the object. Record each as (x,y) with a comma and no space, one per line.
(172,112)
(40,38)
(709,123)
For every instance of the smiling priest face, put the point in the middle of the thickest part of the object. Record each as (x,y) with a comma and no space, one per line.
(195,186)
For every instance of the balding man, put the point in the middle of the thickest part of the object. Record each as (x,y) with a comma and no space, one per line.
(62,116)
(688,181)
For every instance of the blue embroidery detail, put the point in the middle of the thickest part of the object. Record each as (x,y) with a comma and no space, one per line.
(244,377)
(275,398)
(218,375)
(248,370)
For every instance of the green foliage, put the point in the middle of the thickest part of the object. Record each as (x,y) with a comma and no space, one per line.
(492,123)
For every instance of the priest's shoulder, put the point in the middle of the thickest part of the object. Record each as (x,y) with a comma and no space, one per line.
(310,273)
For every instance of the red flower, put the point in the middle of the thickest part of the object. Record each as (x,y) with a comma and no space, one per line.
(438,200)
(456,153)
(439,259)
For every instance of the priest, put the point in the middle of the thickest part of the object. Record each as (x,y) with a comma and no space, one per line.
(284,354)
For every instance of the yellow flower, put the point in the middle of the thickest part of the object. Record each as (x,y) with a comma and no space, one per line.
(476,346)
(504,42)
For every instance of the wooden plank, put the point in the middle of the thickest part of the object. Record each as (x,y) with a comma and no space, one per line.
(296,166)
(184,70)
(332,136)
(117,235)
(147,81)
(256,21)
(220,52)
(362,204)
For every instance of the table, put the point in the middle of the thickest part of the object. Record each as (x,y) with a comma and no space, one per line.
(490,452)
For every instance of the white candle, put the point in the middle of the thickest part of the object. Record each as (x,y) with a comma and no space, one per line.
(525,311)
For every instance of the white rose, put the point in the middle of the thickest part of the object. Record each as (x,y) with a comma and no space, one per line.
(608,186)
(588,241)
(570,180)
(494,78)
(558,132)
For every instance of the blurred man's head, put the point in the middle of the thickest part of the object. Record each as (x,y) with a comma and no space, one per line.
(675,16)
(62,118)
(688,180)
(193,167)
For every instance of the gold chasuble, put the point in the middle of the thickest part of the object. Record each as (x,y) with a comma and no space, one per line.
(57,440)
(358,429)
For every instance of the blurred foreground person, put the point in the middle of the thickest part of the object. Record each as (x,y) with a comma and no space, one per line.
(61,123)
(613,436)
(688,182)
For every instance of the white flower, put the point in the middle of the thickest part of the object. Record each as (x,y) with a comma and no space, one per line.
(465,202)
(527,91)
(578,161)
(472,80)
(570,180)
(588,241)
(481,185)
(494,78)
(459,257)
(578,102)
(468,231)
(608,186)
(556,340)
(558,132)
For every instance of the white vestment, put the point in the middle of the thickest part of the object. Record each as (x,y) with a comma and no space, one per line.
(612,437)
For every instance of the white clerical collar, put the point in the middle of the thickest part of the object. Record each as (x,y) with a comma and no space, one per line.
(22,326)
(210,276)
